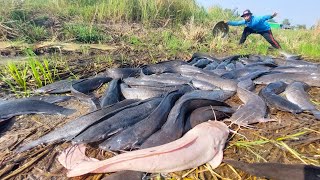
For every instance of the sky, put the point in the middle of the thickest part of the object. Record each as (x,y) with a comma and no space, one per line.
(297,11)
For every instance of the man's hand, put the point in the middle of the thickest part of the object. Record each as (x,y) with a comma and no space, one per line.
(274,15)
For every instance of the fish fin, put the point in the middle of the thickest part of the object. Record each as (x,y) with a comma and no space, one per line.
(114,132)
(26,147)
(216,161)
(73,156)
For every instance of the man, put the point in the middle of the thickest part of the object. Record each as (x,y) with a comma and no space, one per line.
(257,25)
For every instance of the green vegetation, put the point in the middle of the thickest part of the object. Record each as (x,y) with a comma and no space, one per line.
(19,76)
(33,73)
(84,33)
(174,26)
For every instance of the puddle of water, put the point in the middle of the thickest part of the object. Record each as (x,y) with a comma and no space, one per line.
(63,47)
(74,46)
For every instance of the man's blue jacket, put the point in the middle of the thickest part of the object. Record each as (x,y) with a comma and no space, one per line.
(257,23)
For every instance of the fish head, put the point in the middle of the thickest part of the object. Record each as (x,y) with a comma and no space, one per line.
(219,126)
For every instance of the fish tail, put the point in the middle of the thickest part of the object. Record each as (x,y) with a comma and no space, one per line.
(316,114)
(27,146)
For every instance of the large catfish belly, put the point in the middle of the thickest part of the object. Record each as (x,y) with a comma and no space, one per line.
(204,143)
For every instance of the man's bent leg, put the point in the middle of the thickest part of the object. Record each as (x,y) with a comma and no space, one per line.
(246,32)
(269,37)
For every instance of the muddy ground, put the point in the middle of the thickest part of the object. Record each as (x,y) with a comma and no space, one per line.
(291,139)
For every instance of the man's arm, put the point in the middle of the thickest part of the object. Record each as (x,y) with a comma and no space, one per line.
(236,23)
(267,17)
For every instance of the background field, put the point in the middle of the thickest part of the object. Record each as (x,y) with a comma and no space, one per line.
(172,26)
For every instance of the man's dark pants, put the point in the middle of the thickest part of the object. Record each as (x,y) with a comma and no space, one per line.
(266,34)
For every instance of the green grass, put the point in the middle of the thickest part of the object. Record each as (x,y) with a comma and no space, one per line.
(15,76)
(173,26)
(22,77)
(173,42)
(134,40)
(41,72)
(146,11)
(84,33)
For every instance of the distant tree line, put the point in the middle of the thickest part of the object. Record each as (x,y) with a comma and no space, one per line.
(287,25)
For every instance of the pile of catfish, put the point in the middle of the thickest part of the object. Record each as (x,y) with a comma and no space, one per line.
(157,104)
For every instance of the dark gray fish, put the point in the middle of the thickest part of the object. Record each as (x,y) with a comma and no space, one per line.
(132,81)
(246,84)
(88,85)
(239,65)
(230,67)
(167,78)
(119,73)
(267,59)
(89,99)
(223,65)
(187,69)
(200,63)
(296,93)
(62,86)
(312,80)
(253,110)
(2,101)
(252,59)
(202,85)
(301,63)
(82,89)
(174,126)
(253,75)
(246,61)
(133,136)
(112,94)
(144,92)
(162,67)
(224,84)
(219,72)
(123,175)
(3,122)
(17,107)
(273,100)
(292,69)
(267,65)
(199,55)
(75,127)
(211,66)
(49,99)
(277,170)
(296,63)
(227,60)
(238,73)
(206,113)
(119,121)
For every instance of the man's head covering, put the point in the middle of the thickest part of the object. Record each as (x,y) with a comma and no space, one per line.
(246,12)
